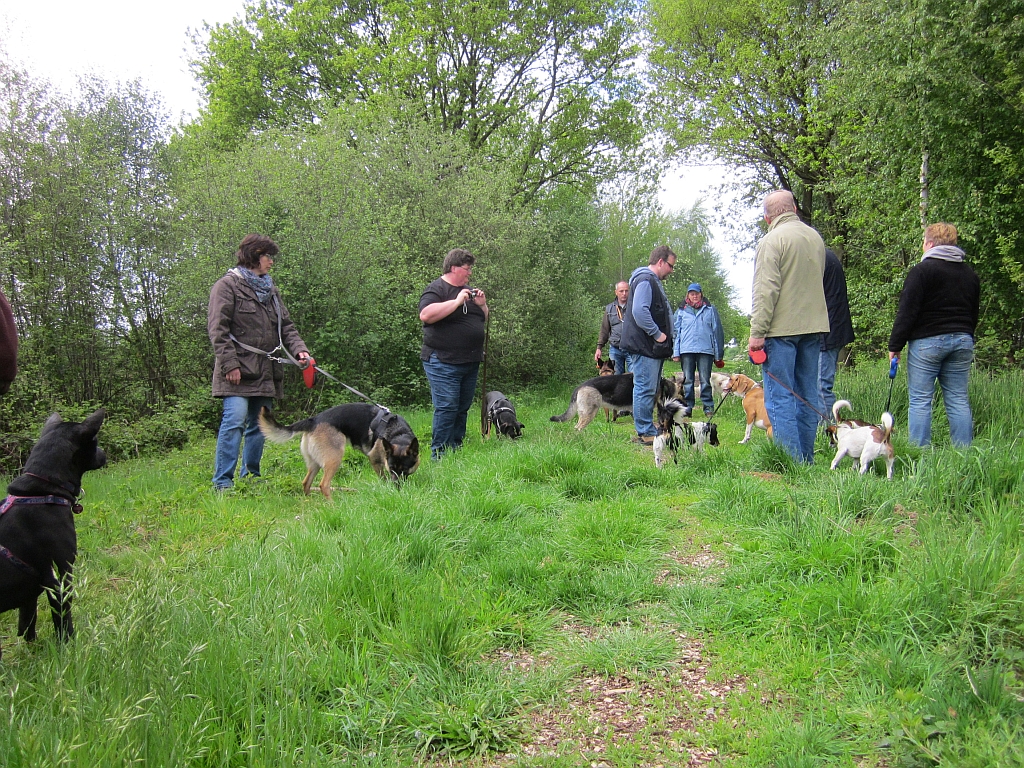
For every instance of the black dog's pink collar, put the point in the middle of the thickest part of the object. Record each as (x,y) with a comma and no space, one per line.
(10,501)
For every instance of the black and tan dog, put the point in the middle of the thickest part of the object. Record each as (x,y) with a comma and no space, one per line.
(615,392)
(37,524)
(498,411)
(384,437)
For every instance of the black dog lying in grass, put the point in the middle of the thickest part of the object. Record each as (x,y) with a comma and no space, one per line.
(37,524)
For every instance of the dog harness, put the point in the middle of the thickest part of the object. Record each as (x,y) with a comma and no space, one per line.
(11,501)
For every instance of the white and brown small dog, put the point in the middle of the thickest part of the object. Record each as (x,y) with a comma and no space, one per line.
(753,403)
(675,429)
(865,444)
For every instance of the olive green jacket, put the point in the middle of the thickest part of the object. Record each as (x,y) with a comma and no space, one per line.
(789,296)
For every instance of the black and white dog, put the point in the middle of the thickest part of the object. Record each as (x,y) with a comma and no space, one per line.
(500,412)
(675,429)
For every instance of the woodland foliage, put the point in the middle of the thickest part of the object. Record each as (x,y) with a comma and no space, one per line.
(843,102)
(369,139)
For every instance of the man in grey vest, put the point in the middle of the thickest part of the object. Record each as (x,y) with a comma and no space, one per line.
(647,337)
(611,328)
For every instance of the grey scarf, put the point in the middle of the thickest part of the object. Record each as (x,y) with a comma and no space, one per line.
(944,252)
(262,284)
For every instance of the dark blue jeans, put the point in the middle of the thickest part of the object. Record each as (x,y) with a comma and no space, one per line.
(828,361)
(793,360)
(618,357)
(695,361)
(451,390)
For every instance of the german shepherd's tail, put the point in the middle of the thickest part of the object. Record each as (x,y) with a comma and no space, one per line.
(571,411)
(278,434)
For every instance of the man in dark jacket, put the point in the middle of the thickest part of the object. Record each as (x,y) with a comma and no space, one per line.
(611,328)
(840,327)
(8,346)
(936,320)
(245,307)
(647,337)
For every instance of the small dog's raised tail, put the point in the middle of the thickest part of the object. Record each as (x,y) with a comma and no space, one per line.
(887,424)
(275,433)
(838,406)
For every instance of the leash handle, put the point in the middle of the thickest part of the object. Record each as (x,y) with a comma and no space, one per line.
(894,365)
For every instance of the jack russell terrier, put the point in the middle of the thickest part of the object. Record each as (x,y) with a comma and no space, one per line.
(865,444)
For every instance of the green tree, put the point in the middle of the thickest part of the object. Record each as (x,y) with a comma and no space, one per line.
(748,81)
(548,87)
(937,80)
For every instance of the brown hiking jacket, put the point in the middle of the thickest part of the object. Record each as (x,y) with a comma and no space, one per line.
(234,309)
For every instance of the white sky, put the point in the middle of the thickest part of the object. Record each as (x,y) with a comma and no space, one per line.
(123,40)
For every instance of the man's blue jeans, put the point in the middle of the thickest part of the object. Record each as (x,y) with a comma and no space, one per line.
(646,380)
(240,414)
(695,361)
(828,361)
(948,358)
(451,389)
(618,357)
(793,360)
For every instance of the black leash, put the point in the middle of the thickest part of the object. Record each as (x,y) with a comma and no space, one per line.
(711,418)
(483,376)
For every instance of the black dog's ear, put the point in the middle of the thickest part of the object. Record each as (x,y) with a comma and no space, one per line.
(51,422)
(92,423)
(520,426)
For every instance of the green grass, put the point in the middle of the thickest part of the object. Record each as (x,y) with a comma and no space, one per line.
(836,620)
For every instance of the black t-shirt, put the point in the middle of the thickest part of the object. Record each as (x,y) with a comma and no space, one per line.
(458,338)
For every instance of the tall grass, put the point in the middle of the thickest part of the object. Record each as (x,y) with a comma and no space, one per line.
(871,620)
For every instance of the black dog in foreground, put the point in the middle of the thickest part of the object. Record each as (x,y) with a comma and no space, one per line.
(384,437)
(501,413)
(37,524)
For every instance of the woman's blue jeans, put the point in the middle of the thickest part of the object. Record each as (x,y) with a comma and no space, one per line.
(948,358)
(451,389)
(240,418)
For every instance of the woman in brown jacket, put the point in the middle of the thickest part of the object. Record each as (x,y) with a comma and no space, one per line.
(244,313)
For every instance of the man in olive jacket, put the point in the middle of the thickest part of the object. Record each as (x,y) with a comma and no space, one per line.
(788,315)
(242,322)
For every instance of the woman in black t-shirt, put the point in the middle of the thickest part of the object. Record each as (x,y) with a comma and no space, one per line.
(454,317)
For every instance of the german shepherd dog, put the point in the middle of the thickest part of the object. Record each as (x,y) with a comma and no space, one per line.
(615,392)
(500,412)
(383,437)
(607,368)
(37,524)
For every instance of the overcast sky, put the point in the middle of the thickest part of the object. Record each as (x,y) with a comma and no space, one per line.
(122,40)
